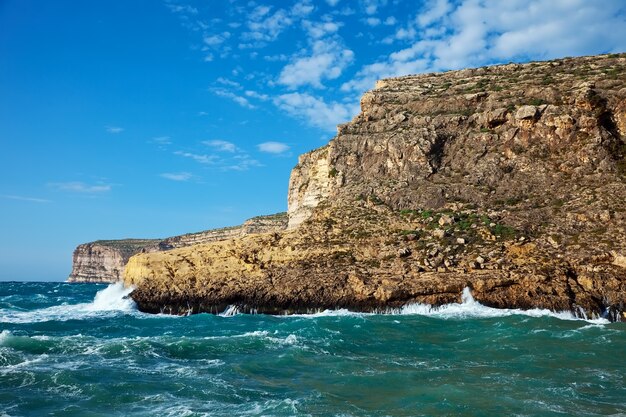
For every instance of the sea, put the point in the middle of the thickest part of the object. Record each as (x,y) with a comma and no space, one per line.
(85,350)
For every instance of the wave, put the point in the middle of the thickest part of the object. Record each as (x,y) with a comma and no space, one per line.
(467,308)
(111,300)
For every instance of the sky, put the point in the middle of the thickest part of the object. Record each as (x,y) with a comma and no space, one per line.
(151,118)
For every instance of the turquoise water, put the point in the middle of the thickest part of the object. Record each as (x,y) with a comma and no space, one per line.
(67,351)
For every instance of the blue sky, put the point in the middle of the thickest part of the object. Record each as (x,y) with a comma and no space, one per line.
(151,118)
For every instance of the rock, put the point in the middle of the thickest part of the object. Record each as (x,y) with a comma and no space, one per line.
(419,146)
(526,113)
(605,216)
(480,260)
(439,233)
(411,237)
(404,252)
(460,241)
(445,220)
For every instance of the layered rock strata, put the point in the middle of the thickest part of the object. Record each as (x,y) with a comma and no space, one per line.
(105,260)
(508,179)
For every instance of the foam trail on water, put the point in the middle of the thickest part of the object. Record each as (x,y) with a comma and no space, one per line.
(110,300)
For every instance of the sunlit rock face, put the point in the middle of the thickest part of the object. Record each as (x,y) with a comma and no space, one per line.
(105,260)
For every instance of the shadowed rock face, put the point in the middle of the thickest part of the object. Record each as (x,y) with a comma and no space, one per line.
(105,260)
(508,179)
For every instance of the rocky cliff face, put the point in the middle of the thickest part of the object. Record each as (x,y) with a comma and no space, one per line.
(105,260)
(508,179)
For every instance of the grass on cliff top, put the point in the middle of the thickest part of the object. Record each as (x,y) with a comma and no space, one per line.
(275,216)
(127,243)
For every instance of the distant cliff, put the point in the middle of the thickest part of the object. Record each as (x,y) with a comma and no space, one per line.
(105,260)
(509,179)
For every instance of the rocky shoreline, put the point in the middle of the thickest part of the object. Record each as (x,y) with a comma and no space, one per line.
(509,180)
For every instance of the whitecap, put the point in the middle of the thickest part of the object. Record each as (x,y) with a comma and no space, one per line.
(113,299)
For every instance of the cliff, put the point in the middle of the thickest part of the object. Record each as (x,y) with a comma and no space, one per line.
(508,179)
(105,260)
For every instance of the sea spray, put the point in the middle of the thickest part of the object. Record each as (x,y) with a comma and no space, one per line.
(113,297)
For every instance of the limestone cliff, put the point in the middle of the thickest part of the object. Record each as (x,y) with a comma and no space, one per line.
(105,260)
(508,179)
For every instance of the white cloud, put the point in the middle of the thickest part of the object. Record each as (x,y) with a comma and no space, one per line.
(274,58)
(177,176)
(390,21)
(332,3)
(302,8)
(264,26)
(258,96)
(318,30)
(242,101)
(230,83)
(241,162)
(28,199)
(448,35)
(200,158)
(114,129)
(273,147)
(217,39)
(315,111)
(434,11)
(372,21)
(81,187)
(371,6)
(221,145)
(178,8)
(327,61)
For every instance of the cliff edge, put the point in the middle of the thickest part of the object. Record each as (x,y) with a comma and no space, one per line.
(104,261)
(508,179)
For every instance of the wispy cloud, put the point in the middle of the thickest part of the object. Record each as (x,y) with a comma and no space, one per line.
(220,145)
(241,162)
(81,187)
(177,176)
(327,60)
(242,101)
(201,158)
(315,111)
(181,8)
(23,198)
(273,147)
(114,129)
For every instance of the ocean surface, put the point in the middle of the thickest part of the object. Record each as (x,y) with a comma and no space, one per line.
(84,350)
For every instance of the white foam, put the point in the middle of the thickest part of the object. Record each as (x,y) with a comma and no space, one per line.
(113,297)
(4,336)
(468,308)
(230,311)
(108,301)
